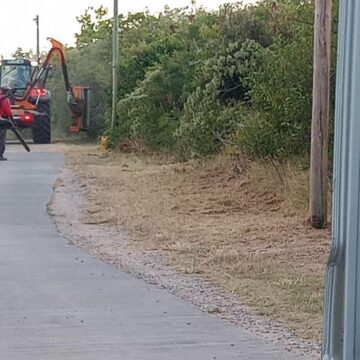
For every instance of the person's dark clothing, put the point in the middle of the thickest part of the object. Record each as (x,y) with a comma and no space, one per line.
(2,140)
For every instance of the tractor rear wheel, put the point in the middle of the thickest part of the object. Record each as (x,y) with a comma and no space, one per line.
(41,132)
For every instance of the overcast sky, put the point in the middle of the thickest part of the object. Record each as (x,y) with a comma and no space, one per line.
(58,19)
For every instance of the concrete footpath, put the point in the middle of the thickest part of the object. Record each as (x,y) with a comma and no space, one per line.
(58,302)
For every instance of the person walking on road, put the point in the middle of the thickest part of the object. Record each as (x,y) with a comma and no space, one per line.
(5,113)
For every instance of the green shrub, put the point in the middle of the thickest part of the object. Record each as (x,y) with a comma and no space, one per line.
(216,109)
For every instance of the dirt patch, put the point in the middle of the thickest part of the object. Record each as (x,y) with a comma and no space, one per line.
(69,209)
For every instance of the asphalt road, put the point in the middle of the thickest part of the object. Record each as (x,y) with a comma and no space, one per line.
(58,302)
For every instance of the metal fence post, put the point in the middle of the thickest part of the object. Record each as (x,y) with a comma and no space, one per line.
(115,64)
(341,339)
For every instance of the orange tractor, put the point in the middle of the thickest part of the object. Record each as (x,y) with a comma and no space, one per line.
(31,100)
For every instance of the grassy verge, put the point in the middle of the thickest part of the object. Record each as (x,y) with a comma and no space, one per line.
(240,225)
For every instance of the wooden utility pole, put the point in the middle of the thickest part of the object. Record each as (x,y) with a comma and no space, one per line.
(320,114)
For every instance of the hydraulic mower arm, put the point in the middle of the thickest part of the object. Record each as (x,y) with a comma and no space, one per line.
(75,104)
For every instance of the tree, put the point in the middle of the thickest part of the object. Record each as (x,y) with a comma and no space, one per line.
(94,26)
(21,54)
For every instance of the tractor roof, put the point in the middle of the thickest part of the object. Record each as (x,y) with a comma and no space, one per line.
(16,62)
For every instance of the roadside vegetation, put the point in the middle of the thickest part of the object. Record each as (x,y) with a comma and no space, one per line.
(192,81)
(223,98)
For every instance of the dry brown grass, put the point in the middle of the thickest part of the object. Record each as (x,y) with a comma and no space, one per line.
(241,225)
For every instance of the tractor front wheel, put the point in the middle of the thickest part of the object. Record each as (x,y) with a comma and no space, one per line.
(41,132)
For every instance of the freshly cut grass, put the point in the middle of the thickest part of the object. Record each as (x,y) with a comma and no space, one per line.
(239,224)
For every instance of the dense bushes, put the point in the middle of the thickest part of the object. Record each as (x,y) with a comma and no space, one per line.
(192,81)
(216,109)
(282,97)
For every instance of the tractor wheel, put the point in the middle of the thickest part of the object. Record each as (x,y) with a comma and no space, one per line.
(41,132)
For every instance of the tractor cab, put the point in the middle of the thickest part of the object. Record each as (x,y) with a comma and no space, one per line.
(16,74)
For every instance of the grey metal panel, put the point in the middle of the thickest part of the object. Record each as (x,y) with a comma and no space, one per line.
(342,299)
